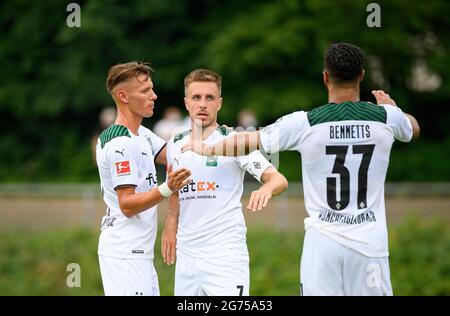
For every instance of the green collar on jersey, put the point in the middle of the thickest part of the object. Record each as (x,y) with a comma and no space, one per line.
(224,130)
(221,129)
(112,132)
(347,111)
(181,135)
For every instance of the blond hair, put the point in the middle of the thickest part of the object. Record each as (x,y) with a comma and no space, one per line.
(202,75)
(123,72)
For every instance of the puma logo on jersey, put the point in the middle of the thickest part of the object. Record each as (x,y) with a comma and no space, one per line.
(123,168)
(176,160)
(120,152)
(144,154)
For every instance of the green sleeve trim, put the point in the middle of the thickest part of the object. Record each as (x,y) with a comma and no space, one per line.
(112,132)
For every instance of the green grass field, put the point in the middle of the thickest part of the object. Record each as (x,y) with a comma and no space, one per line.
(34,263)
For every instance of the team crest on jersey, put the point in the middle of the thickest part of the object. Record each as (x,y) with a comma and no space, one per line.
(211,161)
(149,141)
(123,168)
(257,165)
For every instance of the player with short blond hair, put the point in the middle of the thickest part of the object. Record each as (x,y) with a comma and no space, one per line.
(125,154)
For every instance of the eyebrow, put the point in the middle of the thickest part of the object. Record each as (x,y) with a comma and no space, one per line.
(199,95)
(147,87)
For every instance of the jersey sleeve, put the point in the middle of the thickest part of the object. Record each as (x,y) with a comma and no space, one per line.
(285,133)
(157,143)
(169,151)
(169,156)
(122,158)
(254,163)
(399,123)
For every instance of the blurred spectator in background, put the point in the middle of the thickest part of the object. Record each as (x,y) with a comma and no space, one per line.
(247,120)
(106,118)
(172,123)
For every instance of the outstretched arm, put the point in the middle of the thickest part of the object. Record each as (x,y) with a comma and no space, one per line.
(239,144)
(414,124)
(274,183)
(132,202)
(169,234)
(384,98)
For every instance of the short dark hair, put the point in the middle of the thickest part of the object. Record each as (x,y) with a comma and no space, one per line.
(123,72)
(344,62)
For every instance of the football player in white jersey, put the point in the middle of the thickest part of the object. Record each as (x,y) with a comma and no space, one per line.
(345,147)
(125,155)
(204,220)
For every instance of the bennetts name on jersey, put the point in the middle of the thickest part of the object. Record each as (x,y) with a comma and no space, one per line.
(350,131)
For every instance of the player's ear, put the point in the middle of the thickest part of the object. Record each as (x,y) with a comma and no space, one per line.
(220,104)
(122,96)
(361,77)
(326,78)
(186,103)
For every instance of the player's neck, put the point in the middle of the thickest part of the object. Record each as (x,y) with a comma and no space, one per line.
(130,121)
(202,133)
(343,94)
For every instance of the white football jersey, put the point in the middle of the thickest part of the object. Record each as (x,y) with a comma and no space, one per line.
(211,222)
(126,159)
(345,151)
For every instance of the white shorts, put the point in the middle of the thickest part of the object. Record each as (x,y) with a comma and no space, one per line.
(127,277)
(221,276)
(329,268)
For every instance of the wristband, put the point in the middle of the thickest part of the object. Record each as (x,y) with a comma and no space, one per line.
(164,190)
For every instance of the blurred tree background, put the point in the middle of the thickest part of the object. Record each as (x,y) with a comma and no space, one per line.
(52,87)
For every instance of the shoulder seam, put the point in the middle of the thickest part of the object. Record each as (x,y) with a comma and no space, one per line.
(354,111)
(112,132)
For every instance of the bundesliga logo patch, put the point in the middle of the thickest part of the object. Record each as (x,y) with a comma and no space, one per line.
(123,168)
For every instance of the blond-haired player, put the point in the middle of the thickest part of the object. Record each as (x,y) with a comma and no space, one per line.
(126,152)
